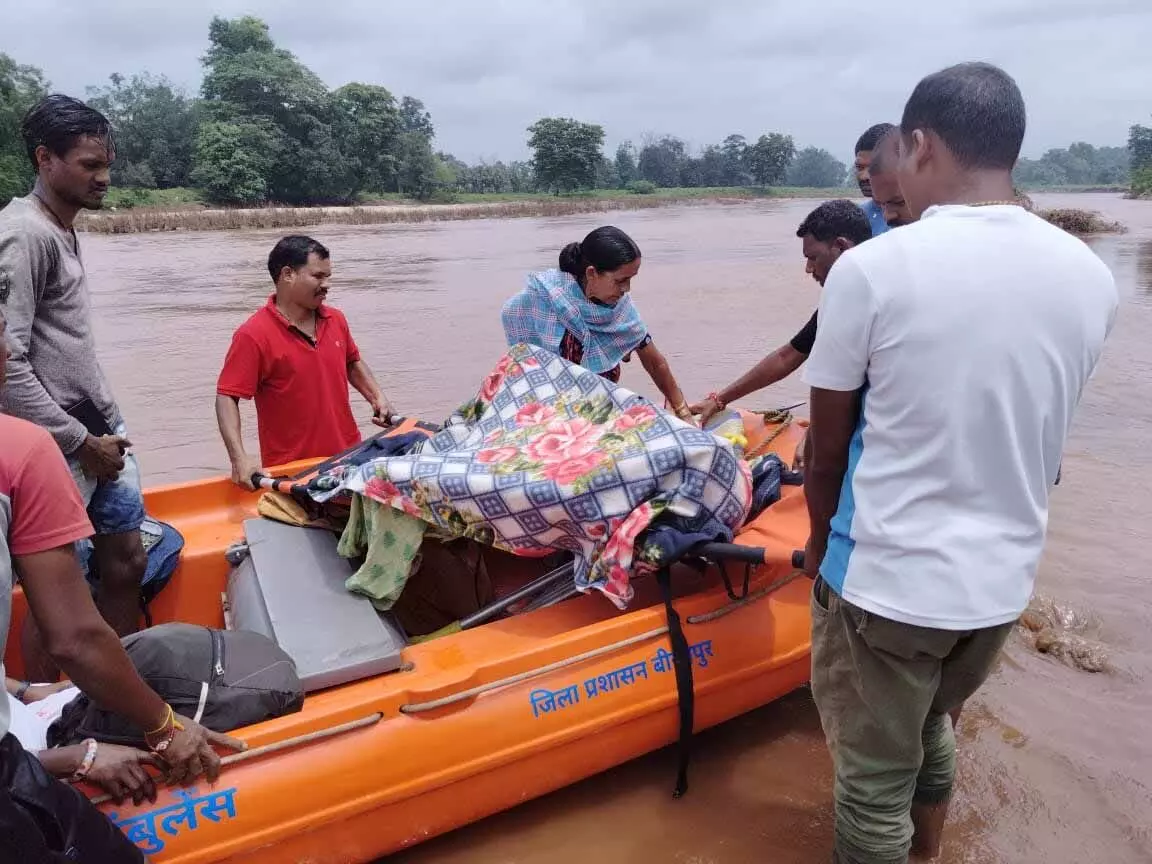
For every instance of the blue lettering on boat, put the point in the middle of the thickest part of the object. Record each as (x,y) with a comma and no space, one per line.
(545,701)
(145,830)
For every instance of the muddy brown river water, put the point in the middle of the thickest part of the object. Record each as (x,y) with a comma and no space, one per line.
(1055,763)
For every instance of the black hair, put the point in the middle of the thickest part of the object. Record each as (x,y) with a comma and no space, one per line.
(607,248)
(838,218)
(57,121)
(884,152)
(293,251)
(867,142)
(976,109)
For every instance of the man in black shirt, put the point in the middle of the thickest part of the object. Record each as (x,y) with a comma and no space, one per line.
(827,232)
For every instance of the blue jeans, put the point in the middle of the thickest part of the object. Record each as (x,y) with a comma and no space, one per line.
(114,506)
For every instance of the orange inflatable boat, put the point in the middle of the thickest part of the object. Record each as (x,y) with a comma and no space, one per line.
(480,720)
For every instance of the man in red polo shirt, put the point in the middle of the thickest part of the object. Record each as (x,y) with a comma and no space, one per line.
(296,358)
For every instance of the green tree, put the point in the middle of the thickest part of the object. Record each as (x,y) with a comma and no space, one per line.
(626,164)
(662,160)
(817,168)
(734,151)
(367,121)
(415,118)
(234,160)
(566,153)
(769,158)
(521,177)
(20,88)
(712,167)
(1080,164)
(1140,147)
(245,74)
(418,166)
(155,125)
(250,82)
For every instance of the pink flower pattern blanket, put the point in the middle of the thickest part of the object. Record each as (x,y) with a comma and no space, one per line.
(550,456)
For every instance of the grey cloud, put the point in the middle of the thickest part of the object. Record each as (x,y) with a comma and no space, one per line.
(700,70)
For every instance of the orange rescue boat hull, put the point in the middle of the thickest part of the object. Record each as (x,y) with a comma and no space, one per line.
(438,757)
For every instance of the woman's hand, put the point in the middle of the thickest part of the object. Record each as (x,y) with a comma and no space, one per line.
(190,752)
(706,409)
(121,772)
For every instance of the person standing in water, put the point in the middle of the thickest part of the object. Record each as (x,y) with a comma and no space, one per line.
(944,382)
(54,378)
(296,358)
(886,193)
(582,311)
(865,144)
(828,231)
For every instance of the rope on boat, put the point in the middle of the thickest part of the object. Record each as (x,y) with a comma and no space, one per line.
(286,744)
(417,707)
(783,417)
(705,617)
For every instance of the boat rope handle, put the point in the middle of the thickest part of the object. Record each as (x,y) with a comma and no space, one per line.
(705,617)
(784,418)
(417,707)
(286,744)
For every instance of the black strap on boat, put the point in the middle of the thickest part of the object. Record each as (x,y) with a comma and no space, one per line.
(685,695)
(732,595)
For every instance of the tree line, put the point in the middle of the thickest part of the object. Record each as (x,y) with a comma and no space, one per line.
(265,128)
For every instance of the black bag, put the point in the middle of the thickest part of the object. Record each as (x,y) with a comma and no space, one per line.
(224,679)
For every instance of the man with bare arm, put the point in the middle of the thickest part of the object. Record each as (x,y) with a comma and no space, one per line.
(935,340)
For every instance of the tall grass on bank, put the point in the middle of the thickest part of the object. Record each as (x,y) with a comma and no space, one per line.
(384,210)
(138,221)
(183,215)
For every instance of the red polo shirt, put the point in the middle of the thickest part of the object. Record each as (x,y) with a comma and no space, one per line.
(300,385)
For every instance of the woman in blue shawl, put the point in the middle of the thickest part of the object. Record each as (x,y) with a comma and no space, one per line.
(583,313)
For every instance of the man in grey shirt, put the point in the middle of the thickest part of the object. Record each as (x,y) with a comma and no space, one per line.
(54,378)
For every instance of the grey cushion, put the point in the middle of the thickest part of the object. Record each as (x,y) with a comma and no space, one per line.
(291,589)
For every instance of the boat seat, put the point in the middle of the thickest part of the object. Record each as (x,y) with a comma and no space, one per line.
(290,588)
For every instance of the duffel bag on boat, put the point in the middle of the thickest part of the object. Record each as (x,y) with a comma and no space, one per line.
(223,679)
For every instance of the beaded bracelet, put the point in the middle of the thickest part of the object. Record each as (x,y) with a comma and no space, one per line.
(169,727)
(87,762)
(720,403)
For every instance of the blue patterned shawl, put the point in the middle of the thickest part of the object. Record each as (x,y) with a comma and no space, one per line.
(554,302)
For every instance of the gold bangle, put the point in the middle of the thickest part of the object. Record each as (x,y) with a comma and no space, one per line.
(169,717)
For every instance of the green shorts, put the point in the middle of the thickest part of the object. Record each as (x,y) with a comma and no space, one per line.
(884,690)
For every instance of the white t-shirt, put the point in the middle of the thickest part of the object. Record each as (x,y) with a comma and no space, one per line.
(30,723)
(972,333)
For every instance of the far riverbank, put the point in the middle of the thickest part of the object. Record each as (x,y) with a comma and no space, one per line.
(197,217)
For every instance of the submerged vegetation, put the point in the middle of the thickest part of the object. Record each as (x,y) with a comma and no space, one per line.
(384,210)
(1080,222)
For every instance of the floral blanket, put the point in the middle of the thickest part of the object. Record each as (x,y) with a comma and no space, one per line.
(550,456)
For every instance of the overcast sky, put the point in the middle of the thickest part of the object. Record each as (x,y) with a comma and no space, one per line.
(698,69)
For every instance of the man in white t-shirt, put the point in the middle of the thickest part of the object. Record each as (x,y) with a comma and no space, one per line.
(950,357)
